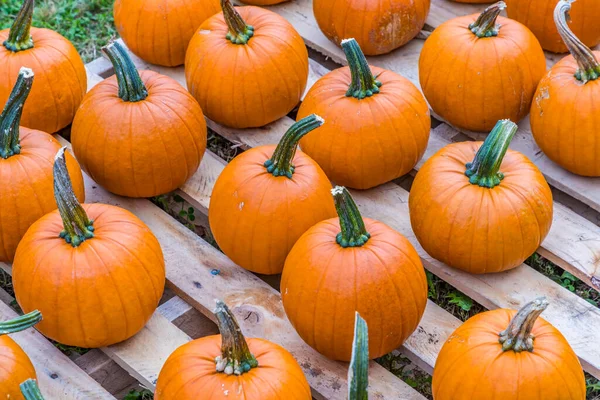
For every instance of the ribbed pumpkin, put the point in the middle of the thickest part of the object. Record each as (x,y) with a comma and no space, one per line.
(96,271)
(247,67)
(508,355)
(476,70)
(26,158)
(339,267)
(564,115)
(16,365)
(538,15)
(376,130)
(379,26)
(227,366)
(266,198)
(480,207)
(138,135)
(61,78)
(30,390)
(159,31)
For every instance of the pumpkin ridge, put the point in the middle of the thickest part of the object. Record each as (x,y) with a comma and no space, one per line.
(82,85)
(47,80)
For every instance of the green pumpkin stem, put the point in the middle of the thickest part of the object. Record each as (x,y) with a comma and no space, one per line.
(280,163)
(19,36)
(517,336)
(78,227)
(485,168)
(589,68)
(239,32)
(358,374)
(363,83)
(235,358)
(353,231)
(131,86)
(30,390)
(20,323)
(486,26)
(10,119)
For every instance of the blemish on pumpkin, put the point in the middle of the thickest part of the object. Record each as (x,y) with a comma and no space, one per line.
(241,206)
(543,95)
(204,32)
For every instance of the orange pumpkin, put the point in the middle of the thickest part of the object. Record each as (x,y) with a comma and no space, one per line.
(247,67)
(389,113)
(61,78)
(379,26)
(138,135)
(480,207)
(329,275)
(508,355)
(227,366)
(26,158)
(159,31)
(476,70)
(538,15)
(266,198)
(16,365)
(564,116)
(96,272)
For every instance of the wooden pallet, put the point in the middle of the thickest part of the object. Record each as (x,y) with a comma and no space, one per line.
(573,244)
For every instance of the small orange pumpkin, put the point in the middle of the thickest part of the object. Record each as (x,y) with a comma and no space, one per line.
(227,366)
(246,69)
(379,26)
(266,198)
(97,281)
(26,158)
(159,31)
(476,70)
(389,113)
(564,115)
(61,78)
(138,135)
(508,355)
(16,365)
(329,275)
(480,207)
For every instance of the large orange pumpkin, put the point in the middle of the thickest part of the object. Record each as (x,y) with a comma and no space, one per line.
(159,31)
(342,266)
(247,67)
(480,207)
(376,130)
(476,70)
(564,115)
(26,158)
(538,15)
(508,355)
(138,135)
(16,365)
(96,272)
(266,198)
(227,366)
(379,26)
(61,78)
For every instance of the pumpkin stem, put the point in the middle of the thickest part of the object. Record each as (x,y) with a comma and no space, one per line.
(363,83)
(19,36)
(131,87)
(235,355)
(239,32)
(486,26)
(358,374)
(20,323)
(517,336)
(589,68)
(354,233)
(485,168)
(78,227)
(10,118)
(280,163)
(30,390)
